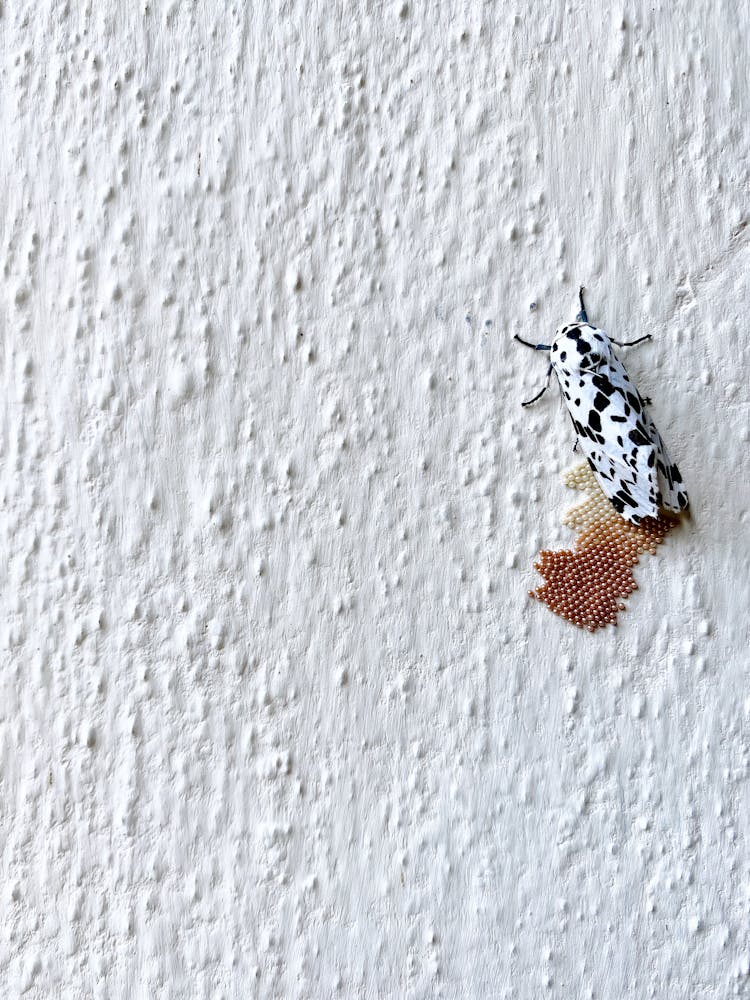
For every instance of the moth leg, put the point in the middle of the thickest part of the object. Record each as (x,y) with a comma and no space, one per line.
(575,446)
(631,343)
(534,347)
(542,392)
(581,317)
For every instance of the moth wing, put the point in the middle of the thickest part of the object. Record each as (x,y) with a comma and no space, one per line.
(671,487)
(615,437)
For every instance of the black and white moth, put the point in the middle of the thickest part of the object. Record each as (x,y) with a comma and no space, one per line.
(613,427)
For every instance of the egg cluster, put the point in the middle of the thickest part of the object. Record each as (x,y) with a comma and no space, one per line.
(586,586)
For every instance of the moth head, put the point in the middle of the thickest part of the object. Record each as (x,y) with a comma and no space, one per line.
(578,346)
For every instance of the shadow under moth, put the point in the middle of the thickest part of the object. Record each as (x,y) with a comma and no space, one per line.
(634,489)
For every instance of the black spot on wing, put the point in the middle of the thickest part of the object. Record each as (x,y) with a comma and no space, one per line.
(602,383)
(601,402)
(638,437)
(624,497)
(634,400)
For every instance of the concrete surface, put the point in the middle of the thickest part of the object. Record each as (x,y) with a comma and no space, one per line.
(277,718)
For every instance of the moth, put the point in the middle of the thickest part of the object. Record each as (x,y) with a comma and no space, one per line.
(613,427)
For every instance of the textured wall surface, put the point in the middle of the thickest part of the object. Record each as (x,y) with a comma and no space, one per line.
(277,717)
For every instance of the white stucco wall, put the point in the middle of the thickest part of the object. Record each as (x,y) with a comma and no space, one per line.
(277,718)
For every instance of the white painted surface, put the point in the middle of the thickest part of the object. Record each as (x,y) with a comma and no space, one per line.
(277,718)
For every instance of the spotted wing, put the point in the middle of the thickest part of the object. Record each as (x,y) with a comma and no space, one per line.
(619,438)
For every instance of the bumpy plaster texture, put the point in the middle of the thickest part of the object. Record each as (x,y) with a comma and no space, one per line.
(278,718)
